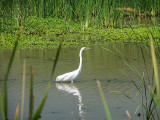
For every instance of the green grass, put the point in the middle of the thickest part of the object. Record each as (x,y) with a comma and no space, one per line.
(17,112)
(155,65)
(47,22)
(4,99)
(99,12)
(2,108)
(23,88)
(106,108)
(5,94)
(149,87)
(31,97)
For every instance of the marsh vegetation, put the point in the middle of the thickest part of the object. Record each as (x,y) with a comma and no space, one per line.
(46,34)
(45,21)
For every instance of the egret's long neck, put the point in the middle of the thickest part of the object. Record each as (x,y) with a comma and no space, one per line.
(80,63)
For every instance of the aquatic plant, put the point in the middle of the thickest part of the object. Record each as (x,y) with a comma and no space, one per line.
(108,115)
(4,98)
(46,33)
(149,87)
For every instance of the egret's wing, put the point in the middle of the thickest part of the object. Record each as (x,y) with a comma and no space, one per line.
(67,76)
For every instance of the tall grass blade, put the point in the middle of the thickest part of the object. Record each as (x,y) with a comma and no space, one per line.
(57,56)
(134,101)
(123,72)
(31,98)
(155,66)
(152,102)
(129,98)
(17,113)
(23,88)
(2,108)
(104,101)
(136,110)
(40,107)
(5,96)
(124,60)
(144,61)
(137,87)
(128,114)
(145,89)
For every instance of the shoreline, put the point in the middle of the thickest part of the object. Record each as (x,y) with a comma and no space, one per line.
(46,33)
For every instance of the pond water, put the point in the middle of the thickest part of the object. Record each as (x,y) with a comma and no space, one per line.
(81,99)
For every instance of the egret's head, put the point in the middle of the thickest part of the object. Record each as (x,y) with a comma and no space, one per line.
(84,48)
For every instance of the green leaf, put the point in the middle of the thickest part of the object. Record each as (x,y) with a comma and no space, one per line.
(104,101)
(136,110)
(40,107)
(137,87)
(5,95)
(17,112)
(57,56)
(31,98)
(144,61)
(23,88)
(155,66)
(2,108)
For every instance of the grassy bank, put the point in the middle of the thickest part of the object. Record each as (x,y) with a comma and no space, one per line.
(80,21)
(46,33)
(98,12)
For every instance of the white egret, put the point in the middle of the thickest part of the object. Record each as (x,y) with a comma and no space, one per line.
(74,74)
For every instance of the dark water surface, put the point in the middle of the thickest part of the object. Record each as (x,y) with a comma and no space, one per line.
(67,101)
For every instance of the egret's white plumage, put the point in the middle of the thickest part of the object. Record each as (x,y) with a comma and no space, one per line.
(74,74)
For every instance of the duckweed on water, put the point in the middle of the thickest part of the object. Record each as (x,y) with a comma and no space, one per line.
(46,33)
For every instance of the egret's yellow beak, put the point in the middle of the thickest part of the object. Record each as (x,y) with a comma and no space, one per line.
(88,48)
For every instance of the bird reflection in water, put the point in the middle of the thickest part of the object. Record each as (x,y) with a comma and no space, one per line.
(73,90)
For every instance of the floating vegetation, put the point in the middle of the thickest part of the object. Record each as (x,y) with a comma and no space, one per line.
(46,33)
